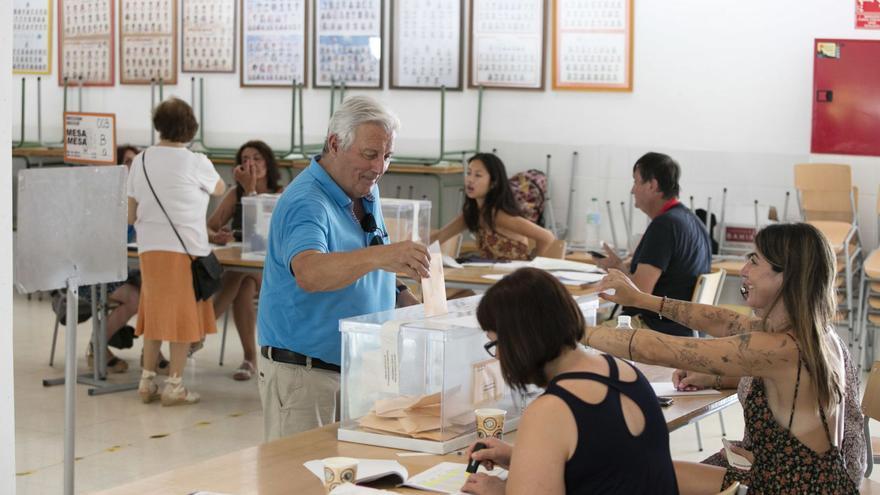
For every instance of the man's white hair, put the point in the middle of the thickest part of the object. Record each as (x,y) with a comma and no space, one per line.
(353,112)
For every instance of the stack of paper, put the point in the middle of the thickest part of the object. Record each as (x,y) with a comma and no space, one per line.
(416,417)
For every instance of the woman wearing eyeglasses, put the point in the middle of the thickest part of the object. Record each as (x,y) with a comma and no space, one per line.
(597,428)
(491,213)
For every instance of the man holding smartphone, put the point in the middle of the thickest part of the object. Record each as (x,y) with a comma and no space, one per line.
(675,248)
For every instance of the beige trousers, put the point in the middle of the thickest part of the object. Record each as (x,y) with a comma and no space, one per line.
(296,398)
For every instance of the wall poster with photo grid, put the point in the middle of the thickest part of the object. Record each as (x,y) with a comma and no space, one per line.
(348,43)
(273,42)
(592,44)
(507,44)
(85,42)
(426,43)
(32,37)
(208,38)
(147,41)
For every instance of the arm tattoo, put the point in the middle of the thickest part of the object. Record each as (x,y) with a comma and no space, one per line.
(718,322)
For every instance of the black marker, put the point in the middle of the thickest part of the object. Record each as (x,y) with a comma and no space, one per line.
(474,464)
(597,255)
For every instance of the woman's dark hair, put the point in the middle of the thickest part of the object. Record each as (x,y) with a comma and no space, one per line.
(499,197)
(663,168)
(120,152)
(535,319)
(273,175)
(800,252)
(174,120)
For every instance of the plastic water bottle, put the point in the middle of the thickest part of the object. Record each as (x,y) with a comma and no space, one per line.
(624,321)
(594,220)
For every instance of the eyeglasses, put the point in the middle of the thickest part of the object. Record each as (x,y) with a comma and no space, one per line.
(368,224)
(490,347)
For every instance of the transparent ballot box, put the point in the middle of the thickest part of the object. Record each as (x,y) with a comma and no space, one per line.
(255,218)
(413,383)
(407,219)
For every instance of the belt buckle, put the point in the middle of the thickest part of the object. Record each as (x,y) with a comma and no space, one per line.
(308,363)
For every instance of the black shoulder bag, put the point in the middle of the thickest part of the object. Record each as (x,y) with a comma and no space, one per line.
(206,270)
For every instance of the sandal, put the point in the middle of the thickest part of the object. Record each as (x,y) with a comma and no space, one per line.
(244,372)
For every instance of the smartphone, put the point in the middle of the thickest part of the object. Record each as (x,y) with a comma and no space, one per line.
(597,255)
(665,401)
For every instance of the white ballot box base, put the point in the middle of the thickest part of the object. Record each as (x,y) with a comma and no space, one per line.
(404,443)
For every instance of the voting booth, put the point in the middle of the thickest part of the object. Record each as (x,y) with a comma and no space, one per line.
(413,383)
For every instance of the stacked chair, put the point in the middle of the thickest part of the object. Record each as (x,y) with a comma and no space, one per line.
(828,201)
(869,309)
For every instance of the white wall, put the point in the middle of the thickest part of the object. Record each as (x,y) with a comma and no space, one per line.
(724,87)
(7,408)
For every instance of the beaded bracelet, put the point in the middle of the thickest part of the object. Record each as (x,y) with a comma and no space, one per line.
(662,305)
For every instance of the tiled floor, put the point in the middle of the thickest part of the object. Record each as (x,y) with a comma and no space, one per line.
(119,439)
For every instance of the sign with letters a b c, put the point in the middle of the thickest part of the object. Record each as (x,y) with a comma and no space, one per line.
(90,138)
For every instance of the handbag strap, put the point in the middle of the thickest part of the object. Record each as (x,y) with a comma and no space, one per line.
(144,164)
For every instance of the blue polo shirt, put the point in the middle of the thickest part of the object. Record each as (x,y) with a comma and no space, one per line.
(314,213)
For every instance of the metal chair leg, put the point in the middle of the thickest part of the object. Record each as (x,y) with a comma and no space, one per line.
(223,339)
(699,436)
(54,341)
(869,466)
(721,420)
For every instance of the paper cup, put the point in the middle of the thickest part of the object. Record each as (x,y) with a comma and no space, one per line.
(490,423)
(339,470)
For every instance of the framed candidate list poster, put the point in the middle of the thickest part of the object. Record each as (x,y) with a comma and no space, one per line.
(507,44)
(273,42)
(348,43)
(85,42)
(592,44)
(208,35)
(32,37)
(147,41)
(426,42)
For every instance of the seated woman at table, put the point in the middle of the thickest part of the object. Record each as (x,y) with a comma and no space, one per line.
(592,401)
(491,213)
(255,172)
(795,408)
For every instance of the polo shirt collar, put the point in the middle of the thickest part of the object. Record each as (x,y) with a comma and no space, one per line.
(330,186)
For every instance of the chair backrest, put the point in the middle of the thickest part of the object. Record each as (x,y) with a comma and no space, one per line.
(708,287)
(557,249)
(452,246)
(730,490)
(825,191)
(871,399)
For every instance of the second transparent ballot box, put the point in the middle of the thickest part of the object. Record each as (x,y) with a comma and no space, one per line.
(407,219)
(255,219)
(413,383)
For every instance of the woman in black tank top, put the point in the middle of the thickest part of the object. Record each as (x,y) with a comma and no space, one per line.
(598,427)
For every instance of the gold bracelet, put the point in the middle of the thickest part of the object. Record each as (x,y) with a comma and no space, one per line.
(631,337)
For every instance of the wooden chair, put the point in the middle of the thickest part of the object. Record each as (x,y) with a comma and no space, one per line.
(733,489)
(557,249)
(871,410)
(828,201)
(869,300)
(708,291)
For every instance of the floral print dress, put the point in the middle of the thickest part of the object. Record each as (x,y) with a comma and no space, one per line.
(497,246)
(783,464)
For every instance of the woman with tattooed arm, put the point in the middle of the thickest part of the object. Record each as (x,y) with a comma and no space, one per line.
(794,410)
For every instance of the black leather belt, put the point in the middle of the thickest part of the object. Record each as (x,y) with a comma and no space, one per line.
(291,357)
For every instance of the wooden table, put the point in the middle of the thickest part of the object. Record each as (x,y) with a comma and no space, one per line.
(277,467)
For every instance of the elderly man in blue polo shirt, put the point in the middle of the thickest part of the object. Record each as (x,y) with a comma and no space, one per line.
(328,258)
